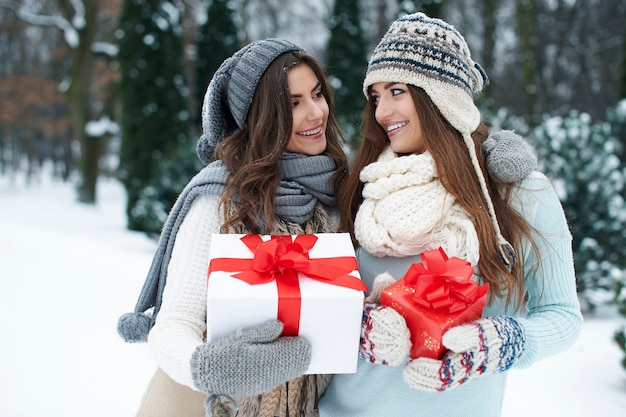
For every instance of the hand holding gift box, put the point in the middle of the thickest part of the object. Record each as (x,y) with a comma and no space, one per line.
(309,282)
(434,295)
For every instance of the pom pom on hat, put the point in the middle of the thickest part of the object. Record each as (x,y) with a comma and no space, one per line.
(230,92)
(509,157)
(134,327)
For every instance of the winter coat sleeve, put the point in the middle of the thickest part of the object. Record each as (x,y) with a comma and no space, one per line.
(553,320)
(181,322)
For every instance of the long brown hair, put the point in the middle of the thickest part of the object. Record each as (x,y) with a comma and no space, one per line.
(457,175)
(252,154)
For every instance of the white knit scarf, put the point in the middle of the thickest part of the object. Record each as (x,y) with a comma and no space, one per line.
(407,211)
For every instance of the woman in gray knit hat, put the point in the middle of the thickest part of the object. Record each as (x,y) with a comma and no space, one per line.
(419,183)
(274,161)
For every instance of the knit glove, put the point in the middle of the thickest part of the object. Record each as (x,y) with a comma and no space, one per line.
(249,361)
(509,157)
(483,347)
(385,337)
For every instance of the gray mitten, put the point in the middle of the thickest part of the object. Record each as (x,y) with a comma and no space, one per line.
(509,157)
(250,361)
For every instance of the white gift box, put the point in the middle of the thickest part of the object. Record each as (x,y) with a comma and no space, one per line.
(330,315)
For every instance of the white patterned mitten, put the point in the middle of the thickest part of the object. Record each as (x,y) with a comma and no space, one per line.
(483,347)
(385,337)
(250,361)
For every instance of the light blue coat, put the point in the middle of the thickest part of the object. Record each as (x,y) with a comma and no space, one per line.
(551,318)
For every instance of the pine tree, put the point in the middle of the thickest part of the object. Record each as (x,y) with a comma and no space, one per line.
(347,62)
(620,301)
(582,159)
(622,85)
(617,119)
(216,40)
(432,8)
(154,119)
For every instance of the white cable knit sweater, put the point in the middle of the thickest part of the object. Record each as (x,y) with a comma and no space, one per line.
(180,326)
(181,323)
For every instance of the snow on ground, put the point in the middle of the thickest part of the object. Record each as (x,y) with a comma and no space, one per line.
(68,270)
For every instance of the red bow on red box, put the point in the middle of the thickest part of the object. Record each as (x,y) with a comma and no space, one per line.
(433,296)
(443,283)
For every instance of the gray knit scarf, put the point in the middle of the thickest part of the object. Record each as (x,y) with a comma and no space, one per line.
(305,181)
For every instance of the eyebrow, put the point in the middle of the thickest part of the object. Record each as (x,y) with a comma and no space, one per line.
(386,86)
(317,87)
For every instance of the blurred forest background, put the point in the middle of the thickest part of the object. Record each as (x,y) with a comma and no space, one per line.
(114,87)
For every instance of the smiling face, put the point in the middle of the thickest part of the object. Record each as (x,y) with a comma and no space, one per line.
(309,110)
(396,113)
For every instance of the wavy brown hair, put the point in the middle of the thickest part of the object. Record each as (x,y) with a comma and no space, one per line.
(252,154)
(457,175)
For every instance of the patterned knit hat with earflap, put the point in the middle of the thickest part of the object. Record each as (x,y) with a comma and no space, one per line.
(431,54)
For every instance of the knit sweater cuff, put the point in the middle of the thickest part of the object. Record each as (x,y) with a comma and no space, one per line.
(554,320)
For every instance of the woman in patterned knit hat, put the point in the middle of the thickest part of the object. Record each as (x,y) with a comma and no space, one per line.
(419,182)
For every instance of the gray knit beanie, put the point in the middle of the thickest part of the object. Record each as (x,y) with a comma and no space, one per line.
(431,54)
(230,92)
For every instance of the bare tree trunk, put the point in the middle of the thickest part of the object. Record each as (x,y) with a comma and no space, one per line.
(525,16)
(78,96)
(489,15)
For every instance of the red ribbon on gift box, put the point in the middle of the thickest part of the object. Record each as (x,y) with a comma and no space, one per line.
(442,283)
(434,295)
(280,259)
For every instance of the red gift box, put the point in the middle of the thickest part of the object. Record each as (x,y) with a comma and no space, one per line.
(434,295)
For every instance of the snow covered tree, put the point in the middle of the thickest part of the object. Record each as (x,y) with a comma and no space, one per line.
(617,119)
(346,58)
(620,301)
(159,192)
(216,39)
(582,160)
(155,117)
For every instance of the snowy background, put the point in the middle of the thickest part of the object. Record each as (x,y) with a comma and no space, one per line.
(69,270)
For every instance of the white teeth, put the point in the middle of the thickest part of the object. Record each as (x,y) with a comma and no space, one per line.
(311,132)
(396,126)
